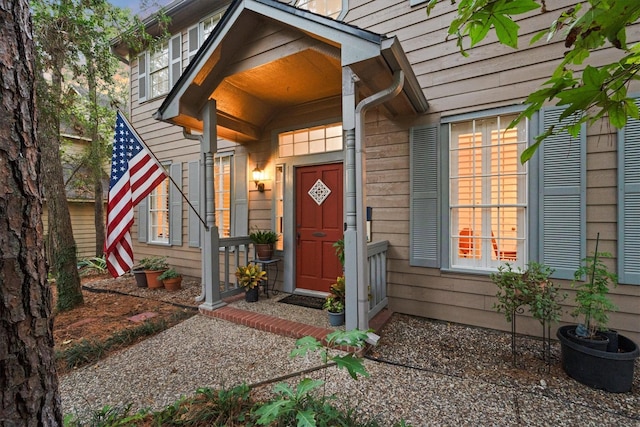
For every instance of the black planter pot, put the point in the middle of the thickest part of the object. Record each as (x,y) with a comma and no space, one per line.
(599,343)
(597,369)
(141,278)
(251,295)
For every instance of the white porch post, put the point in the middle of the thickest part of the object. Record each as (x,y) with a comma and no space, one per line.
(351,256)
(211,242)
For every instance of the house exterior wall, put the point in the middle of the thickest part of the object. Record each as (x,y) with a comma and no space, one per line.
(82,222)
(492,76)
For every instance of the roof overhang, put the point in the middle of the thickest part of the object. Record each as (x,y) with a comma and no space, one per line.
(266,57)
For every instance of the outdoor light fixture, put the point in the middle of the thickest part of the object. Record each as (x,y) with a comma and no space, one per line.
(258,176)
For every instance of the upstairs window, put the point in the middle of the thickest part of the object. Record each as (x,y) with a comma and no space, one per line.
(199,32)
(159,69)
(329,8)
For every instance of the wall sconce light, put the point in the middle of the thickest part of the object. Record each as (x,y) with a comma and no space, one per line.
(258,176)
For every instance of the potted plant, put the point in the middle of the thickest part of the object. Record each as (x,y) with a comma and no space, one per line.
(334,303)
(263,241)
(608,367)
(139,275)
(532,287)
(153,267)
(249,277)
(171,279)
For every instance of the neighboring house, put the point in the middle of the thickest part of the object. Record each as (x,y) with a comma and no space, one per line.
(79,190)
(348,125)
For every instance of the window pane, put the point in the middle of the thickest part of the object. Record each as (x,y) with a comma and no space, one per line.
(488,194)
(222,184)
(159,213)
(319,139)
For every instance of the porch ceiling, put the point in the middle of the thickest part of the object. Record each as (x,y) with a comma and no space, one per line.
(257,66)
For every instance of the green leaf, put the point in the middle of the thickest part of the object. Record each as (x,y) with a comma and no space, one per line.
(352,364)
(506,30)
(478,30)
(304,345)
(516,7)
(617,114)
(269,412)
(283,389)
(306,418)
(306,385)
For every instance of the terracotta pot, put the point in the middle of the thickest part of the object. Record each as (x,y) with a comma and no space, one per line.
(173,284)
(152,278)
(264,251)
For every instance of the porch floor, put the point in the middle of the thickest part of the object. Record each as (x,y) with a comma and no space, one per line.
(268,314)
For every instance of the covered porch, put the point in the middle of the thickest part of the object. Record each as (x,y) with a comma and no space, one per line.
(269,66)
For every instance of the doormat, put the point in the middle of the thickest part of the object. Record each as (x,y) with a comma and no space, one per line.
(304,301)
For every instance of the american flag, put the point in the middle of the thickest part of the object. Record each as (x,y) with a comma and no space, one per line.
(134,174)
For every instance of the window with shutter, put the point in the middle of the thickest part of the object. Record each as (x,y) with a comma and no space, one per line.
(562,203)
(488,195)
(142,77)
(194,41)
(175,53)
(629,202)
(424,207)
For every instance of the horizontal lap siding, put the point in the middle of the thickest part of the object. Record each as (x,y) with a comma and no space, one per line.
(492,76)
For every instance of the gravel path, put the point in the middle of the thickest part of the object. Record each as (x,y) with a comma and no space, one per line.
(427,372)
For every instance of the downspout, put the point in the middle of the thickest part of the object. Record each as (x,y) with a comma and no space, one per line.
(363,273)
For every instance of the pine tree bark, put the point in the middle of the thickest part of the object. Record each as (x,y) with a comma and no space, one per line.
(29,386)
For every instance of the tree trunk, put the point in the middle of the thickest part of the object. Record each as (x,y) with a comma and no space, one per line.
(29,392)
(97,157)
(60,230)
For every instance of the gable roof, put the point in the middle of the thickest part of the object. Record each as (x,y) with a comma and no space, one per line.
(265,56)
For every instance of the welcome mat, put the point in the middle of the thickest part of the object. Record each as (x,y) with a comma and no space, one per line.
(304,301)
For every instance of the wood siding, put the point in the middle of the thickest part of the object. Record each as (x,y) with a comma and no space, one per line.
(491,76)
(82,222)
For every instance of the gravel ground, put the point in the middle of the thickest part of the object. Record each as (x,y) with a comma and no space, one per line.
(426,372)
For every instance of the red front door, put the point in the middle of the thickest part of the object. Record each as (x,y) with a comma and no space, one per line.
(319,224)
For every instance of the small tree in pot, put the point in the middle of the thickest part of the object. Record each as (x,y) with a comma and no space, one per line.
(334,303)
(249,277)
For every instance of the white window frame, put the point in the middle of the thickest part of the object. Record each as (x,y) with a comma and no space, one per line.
(198,34)
(311,140)
(172,67)
(488,248)
(155,213)
(320,7)
(220,193)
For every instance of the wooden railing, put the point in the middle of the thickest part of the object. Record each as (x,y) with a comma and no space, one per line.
(377,257)
(234,252)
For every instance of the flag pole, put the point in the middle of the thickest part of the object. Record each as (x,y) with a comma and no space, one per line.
(168,175)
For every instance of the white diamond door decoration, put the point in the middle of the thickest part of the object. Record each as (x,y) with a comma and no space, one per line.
(319,192)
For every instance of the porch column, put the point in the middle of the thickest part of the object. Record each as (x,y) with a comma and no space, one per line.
(211,267)
(351,256)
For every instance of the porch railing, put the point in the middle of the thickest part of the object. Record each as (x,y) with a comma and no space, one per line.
(234,252)
(377,257)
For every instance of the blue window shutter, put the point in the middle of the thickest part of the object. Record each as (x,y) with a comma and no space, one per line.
(175,63)
(240,201)
(424,186)
(175,205)
(143,220)
(194,41)
(629,203)
(142,77)
(562,204)
(194,198)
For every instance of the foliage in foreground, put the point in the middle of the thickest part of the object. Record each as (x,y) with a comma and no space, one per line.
(298,405)
(588,92)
